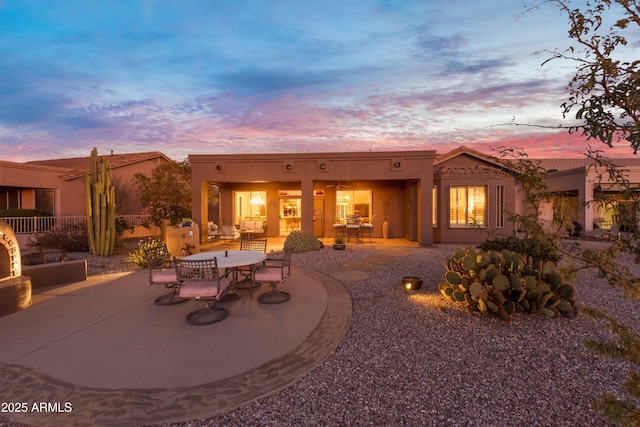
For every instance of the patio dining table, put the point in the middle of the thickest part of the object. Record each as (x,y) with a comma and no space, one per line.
(231,259)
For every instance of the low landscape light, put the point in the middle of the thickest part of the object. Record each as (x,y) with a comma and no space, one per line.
(411,283)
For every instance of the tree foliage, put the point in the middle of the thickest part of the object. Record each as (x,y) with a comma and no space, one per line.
(604,94)
(167,193)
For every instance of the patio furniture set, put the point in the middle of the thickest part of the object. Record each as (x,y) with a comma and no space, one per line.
(213,276)
(353,227)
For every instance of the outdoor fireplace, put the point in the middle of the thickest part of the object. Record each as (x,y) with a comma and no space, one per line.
(15,289)
(9,253)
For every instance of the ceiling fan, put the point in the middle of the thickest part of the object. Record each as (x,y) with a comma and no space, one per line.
(337,185)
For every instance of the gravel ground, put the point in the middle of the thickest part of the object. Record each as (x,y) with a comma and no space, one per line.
(420,360)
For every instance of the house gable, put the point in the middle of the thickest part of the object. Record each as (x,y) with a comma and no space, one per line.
(464,161)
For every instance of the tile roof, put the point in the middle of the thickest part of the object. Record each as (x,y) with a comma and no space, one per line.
(566,164)
(467,170)
(84,163)
(78,166)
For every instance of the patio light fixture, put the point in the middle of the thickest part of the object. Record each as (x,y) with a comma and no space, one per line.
(411,283)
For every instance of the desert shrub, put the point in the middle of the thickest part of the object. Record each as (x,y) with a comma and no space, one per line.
(63,240)
(539,249)
(23,213)
(298,241)
(137,256)
(122,225)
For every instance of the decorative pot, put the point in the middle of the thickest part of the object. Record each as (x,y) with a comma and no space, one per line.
(385,229)
(411,283)
(339,246)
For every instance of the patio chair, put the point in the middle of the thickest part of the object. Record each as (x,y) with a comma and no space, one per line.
(275,271)
(200,280)
(338,229)
(368,226)
(254,245)
(162,272)
(228,232)
(353,228)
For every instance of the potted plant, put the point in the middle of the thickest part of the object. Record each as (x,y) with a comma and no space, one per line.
(338,243)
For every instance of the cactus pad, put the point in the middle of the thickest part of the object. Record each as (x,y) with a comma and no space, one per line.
(500,282)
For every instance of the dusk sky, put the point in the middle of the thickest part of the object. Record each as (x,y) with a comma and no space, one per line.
(274,76)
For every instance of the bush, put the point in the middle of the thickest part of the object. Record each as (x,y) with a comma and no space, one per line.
(122,225)
(137,256)
(540,250)
(23,213)
(298,241)
(63,240)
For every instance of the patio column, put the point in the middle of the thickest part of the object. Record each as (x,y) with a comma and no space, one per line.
(425,225)
(197,208)
(307,206)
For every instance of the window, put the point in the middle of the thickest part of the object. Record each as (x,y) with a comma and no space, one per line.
(467,206)
(353,203)
(434,206)
(499,206)
(45,200)
(10,199)
(250,205)
(566,207)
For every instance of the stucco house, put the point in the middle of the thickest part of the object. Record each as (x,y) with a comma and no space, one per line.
(457,197)
(461,196)
(578,181)
(58,185)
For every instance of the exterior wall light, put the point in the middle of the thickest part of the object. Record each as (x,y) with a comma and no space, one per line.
(289,166)
(218,167)
(323,166)
(396,165)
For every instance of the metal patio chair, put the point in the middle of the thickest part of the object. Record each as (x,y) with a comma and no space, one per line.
(162,272)
(200,280)
(275,271)
(254,245)
(368,226)
(353,228)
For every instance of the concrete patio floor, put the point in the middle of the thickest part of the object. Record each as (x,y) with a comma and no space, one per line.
(100,352)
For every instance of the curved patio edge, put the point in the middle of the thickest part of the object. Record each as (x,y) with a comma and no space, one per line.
(114,407)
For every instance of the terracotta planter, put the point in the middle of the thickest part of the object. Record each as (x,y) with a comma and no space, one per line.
(339,246)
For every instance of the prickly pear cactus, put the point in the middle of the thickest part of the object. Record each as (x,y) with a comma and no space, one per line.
(501,283)
(101,207)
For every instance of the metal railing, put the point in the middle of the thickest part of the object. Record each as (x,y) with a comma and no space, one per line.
(39,224)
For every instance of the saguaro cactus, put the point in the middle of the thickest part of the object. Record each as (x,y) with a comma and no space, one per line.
(101,207)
